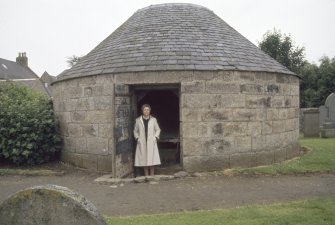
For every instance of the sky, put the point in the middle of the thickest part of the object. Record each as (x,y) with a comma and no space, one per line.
(49,31)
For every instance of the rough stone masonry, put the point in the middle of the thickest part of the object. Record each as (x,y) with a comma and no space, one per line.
(228,119)
(237,105)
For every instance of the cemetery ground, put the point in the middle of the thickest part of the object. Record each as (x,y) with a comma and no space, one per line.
(299,191)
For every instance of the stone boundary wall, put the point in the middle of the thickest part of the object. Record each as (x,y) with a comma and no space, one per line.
(228,118)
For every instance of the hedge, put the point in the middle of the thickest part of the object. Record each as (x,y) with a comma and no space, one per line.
(28,129)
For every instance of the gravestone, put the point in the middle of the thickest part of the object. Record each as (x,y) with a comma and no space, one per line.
(330,103)
(328,126)
(311,123)
(48,205)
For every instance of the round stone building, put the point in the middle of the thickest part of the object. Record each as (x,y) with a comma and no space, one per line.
(220,101)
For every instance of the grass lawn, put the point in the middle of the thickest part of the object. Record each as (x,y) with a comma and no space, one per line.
(29,172)
(320,159)
(309,212)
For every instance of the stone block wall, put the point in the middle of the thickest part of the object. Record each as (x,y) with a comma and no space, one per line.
(85,109)
(231,119)
(227,119)
(239,119)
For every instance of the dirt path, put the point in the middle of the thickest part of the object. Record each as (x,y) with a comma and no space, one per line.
(191,193)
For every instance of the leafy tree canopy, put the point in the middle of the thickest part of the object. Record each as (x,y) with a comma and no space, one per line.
(281,48)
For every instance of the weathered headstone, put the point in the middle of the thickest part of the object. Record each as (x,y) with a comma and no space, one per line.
(311,126)
(328,126)
(302,118)
(48,205)
(330,104)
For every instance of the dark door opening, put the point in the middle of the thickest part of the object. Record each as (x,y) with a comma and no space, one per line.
(164,104)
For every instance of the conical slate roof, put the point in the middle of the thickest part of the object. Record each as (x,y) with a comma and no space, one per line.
(174,37)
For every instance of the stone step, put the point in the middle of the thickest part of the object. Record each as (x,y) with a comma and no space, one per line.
(109,180)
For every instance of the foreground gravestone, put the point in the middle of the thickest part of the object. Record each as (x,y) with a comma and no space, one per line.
(327,128)
(48,205)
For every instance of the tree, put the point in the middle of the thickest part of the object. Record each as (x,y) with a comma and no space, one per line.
(326,83)
(308,85)
(73,60)
(281,48)
(317,82)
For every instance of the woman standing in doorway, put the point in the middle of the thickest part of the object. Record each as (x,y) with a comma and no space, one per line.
(146,132)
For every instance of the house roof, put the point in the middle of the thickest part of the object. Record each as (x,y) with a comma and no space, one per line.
(16,72)
(47,78)
(13,70)
(174,37)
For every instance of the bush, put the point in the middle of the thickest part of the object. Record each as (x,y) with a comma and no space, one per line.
(27,126)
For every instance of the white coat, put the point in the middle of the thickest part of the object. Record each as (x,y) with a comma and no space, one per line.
(147,151)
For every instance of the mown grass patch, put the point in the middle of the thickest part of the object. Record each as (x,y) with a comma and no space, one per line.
(320,159)
(309,212)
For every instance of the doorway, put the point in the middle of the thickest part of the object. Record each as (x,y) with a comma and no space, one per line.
(164,101)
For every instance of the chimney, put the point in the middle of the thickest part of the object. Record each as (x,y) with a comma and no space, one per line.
(22,59)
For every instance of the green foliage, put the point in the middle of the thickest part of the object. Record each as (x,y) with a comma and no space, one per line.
(27,126)
(326,83)
(281,48)
(308,86)
(310,212)
(317,82)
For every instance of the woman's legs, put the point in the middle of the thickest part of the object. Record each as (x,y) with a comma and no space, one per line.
(146,171)
(149,170)
(152,170)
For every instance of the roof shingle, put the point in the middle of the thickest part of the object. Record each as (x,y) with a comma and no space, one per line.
(174,37)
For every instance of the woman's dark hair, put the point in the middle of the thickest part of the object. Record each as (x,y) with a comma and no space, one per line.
(145,106)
